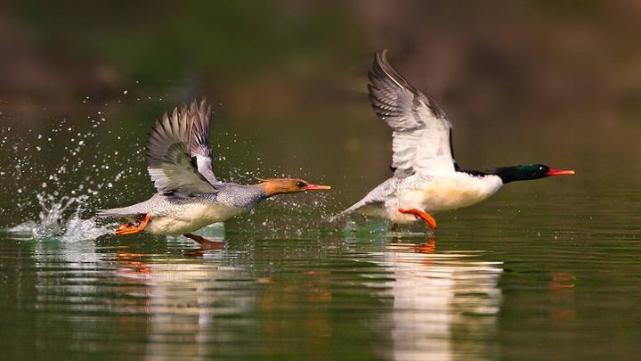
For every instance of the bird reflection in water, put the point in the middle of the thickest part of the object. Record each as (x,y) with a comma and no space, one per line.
(429,246)
(445,304)
(182,300)
(561,292)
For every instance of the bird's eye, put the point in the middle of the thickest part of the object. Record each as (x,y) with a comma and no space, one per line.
(300,184)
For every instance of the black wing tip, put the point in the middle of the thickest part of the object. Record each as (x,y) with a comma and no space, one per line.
(202,109)
(198,105)
(199,108)
(380,56)
(382,70)
(376,72)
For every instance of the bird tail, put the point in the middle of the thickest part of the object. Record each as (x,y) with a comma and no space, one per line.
(116,212)
(336,217)
(345,212)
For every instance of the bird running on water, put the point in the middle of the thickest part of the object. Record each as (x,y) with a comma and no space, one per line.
(426,177)
(189,196)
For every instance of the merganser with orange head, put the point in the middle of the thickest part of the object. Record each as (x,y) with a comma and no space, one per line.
(189,196)
(426,177)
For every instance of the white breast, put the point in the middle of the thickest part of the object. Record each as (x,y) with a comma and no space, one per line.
(444,192)
(460,191)
(191,217)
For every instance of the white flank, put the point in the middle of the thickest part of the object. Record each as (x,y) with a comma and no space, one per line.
(192,218)
(440,193)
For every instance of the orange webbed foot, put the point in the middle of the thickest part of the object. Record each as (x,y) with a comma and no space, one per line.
(426,217)
(130,228)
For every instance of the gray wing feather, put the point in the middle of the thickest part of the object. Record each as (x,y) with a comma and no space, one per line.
(178,155)
(421,131)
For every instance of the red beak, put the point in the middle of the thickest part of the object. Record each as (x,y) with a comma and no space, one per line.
(316,187)
(554,171)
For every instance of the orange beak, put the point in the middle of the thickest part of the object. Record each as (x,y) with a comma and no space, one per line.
(316,187)
(554,171)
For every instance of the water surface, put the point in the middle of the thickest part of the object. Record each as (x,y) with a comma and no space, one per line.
(543,270)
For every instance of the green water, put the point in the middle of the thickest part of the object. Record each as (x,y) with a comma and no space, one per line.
(543,270)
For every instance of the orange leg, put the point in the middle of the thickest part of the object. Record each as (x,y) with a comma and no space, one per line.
(429,220)
(133,229)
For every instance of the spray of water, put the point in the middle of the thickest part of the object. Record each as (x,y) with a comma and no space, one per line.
(61,218)
(54,179)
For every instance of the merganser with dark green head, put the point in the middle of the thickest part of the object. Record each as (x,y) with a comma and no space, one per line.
(189,195)
(426,177)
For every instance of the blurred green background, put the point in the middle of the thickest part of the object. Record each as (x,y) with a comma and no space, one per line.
(556,82)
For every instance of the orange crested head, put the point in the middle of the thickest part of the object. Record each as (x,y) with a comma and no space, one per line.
(288,185)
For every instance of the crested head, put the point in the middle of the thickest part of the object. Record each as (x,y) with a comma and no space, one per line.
(276,186)
(529,172)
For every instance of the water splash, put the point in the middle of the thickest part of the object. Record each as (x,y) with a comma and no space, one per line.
(66,159)
(53,176)
(61,218)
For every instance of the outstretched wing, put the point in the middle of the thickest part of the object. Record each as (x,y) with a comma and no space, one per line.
(421,132)
(178,155)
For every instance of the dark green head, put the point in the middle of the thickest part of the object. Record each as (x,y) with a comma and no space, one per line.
(528,172)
